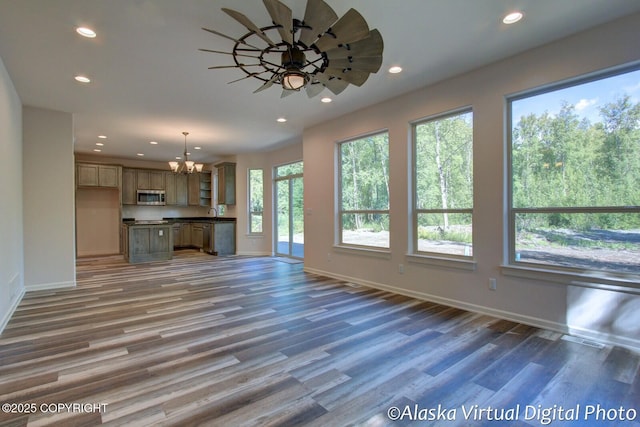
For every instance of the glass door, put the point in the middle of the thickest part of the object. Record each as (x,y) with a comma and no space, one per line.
(289,211)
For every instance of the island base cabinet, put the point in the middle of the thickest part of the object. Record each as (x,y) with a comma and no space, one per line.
(149,243)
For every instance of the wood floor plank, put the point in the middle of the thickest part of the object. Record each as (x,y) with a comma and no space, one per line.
(252,341)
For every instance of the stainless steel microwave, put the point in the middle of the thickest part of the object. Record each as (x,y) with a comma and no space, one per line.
(151,197)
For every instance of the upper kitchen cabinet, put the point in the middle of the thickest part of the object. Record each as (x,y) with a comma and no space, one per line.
(194,189)
(129,186)
(94,175)
(150,180)
(226,183)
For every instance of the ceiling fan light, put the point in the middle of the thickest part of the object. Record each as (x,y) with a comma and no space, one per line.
(294,80)
(199,167)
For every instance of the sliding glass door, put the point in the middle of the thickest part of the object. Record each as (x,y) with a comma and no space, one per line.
(289,210)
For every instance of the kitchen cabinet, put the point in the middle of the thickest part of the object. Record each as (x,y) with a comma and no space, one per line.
(226,183)
(177,235)
(149,180)
(185,234)
(197,236)
(149,242)
(170,196)
(193,189)
(129,187)
(95,175)
(181,190)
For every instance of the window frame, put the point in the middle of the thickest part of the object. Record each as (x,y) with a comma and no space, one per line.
(340,244)
(578,276)
(250,213)
(440,258)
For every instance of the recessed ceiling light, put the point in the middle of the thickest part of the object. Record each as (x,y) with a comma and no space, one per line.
(83,79)
(178,158)
(512,18)
(86,32)
(197,148)
(326,100)
(395,69)
(99,144)
(140,154)
(281,120)
(102,136)
(97,150)
(153,142)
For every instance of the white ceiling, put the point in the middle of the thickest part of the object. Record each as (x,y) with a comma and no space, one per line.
(150,82)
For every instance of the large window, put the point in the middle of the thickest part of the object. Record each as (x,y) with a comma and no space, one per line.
(364,191)
(256,197)
(575,176)
(443,184)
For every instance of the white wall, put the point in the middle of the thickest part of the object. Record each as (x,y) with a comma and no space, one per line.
(11,243)
(605,315)
(48,199)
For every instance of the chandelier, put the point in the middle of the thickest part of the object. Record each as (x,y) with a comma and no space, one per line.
(186,166)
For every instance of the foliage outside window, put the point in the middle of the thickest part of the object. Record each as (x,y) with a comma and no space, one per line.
(443,183)
(364,191)
(256,197)
(575,176)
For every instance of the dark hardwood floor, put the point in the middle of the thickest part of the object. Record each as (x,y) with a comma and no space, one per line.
(200,340)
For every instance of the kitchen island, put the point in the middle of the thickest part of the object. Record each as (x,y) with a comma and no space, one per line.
(144,241)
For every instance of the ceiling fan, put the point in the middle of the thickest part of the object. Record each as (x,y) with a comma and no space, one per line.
(316,52)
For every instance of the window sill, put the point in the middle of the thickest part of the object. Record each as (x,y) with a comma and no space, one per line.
(366,251)
(436,261)
(593,280)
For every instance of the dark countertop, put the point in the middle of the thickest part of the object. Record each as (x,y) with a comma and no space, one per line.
(200,219)
(172,220)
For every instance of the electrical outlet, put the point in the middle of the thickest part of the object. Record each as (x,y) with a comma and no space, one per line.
(328,256)
(492,284)
(160,232)
(401,268)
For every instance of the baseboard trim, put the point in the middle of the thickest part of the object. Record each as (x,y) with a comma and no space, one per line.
(12,308)
(50,286)
(249,253)
(502,314)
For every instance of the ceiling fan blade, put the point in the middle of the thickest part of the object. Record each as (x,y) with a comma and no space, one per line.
(355,77)
(314,89)
(248,24)
(244,78)
(335,85)
(217,33)
(319,16)
(219,67)
(368,47)
(370,65)
(281,15)
(230,53)
(350,28)
(286,93)
(268,84)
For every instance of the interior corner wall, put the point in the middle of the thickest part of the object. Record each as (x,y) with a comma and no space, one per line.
(11,243)
(600,314)
(48,199)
